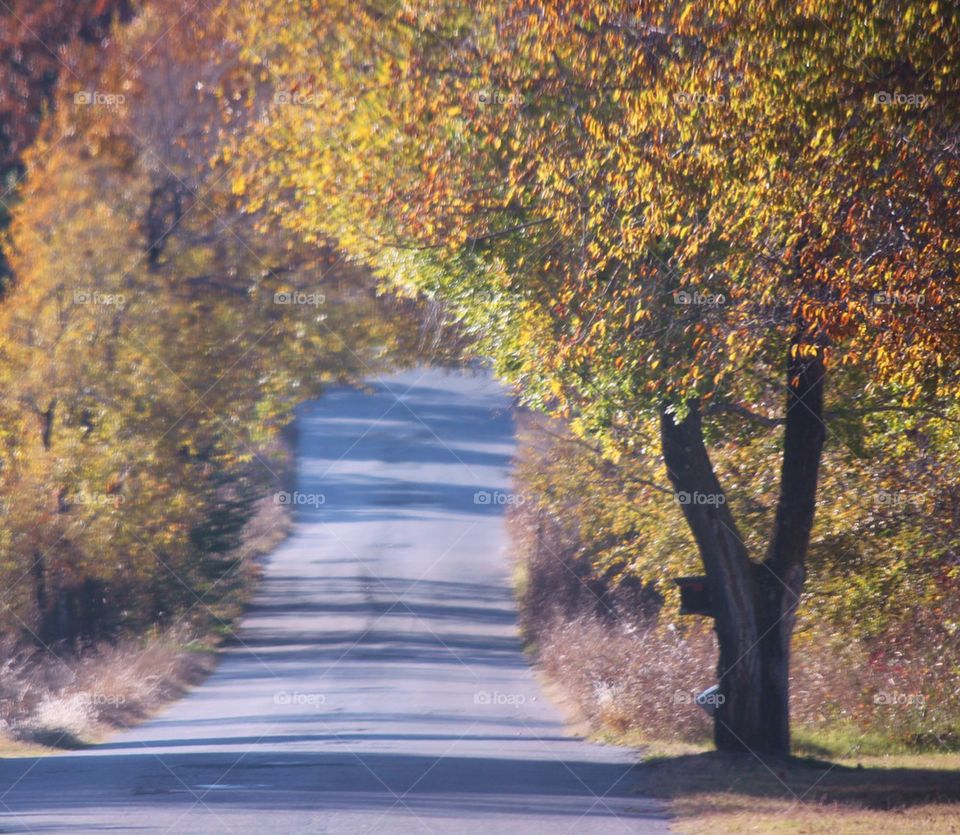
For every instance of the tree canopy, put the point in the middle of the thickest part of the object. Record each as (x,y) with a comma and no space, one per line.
(152,345)
(697,211)
(574,166)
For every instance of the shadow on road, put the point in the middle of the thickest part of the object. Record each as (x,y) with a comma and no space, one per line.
(747,778)
(340,779)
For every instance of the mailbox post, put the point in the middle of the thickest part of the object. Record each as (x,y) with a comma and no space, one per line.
(695,600)
(695,596)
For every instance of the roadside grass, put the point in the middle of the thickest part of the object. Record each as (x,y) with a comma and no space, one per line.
(844,740)
(709,792)
(843,780)
(13,748)
(70,701)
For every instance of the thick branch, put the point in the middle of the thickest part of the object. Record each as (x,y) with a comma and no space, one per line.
(721,407)
(802,450)
(704,505)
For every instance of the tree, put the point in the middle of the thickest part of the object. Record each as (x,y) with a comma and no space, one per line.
(693,210)
(35,40)
(146,360)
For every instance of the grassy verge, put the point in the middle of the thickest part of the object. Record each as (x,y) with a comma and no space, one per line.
(72,700)
(710,792)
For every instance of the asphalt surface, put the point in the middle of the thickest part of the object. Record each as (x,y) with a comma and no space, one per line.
(377,683)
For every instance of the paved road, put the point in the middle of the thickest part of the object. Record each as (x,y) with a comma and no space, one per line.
(377,683)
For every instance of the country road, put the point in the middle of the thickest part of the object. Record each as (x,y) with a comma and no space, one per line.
(377,683)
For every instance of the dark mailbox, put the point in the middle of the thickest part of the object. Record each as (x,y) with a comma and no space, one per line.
(694,596)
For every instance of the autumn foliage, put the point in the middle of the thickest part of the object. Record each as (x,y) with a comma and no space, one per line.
(151,347)
(672,225)
(716,242)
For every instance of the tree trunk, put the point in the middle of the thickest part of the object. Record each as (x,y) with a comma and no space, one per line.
(783,569)
(754,603)
(39,571)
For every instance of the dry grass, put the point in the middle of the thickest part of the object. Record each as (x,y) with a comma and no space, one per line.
(712,792)
(631,680)
(625,676)
(62,701)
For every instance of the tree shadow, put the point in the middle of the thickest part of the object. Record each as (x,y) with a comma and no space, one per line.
(749,778)
(104,785)
(51,737)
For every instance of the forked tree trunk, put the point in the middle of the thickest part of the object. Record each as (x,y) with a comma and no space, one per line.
(754,603)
